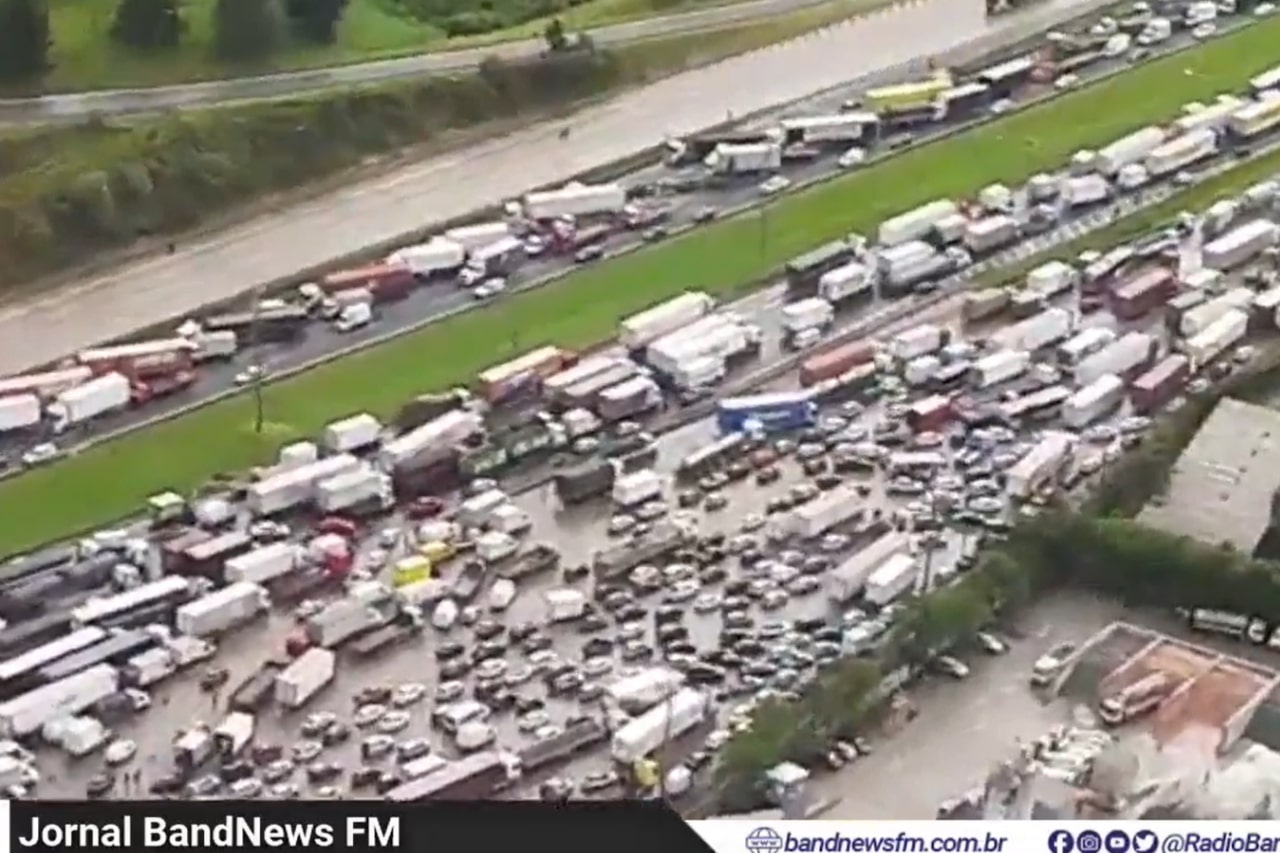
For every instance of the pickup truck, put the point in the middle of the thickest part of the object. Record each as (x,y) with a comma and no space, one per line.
(537,560)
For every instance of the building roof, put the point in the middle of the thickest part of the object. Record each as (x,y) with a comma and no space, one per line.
(1220,490)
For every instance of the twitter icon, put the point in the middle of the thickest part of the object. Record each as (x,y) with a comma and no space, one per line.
(1145,841)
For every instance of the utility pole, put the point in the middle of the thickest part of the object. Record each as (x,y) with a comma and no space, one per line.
(256,368)
(764,229)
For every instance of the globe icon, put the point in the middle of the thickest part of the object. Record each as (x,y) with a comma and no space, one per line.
(762,839)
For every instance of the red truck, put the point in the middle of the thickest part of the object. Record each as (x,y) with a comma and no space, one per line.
(509,380)
(141,360)
(387,282)
(154,388)
(1160,384)
(1144,292)
(830,363)
(931,414)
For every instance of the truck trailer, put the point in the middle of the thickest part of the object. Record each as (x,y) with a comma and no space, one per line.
(305,677)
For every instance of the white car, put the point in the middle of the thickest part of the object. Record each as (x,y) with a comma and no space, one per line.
(368,715)
(708,602)
(408,694)
(597,666)
(252,373)
(41,453)
(854,156)
(246,789)
(952,667)
(532,721)
(393,721)
(517,675)
(1066,81)
(449,691)
(991,644)
(775,185)
(491,288)
(501,594)
(1049,664)
(684,590)
(1263,9)
(1204,31)
(119,752)
(490,669)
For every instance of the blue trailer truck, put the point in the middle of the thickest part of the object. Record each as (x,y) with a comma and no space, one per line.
(777,412)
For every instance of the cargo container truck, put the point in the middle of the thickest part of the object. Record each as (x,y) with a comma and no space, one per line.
(48,384)
(305,677)
(563,387)
(144,391)
(999,367)
(1052,279)
(430,443)
(540,559)
(1240,245)
(1253,120)
(833,362)
(434,257)
(917,341)
(26,635)
(208,558)
(99,396)
(919,371)
(363,492)
(905,264)
(256,691)
(1040,467)
(19,674)
(966,101)
(849,579)
(473,777)
(930,414)
(806,316)
(1007,77)
(115,650)
(639,330)
(400,632)
(351,435)
(671,719)
(828,510)
(1040,405)
(580,735)
(1181,152)
(585,482)
(26,714)
(983,304)
(1132,148)
(1153,389)
(847,283)
(1083,344)
(1127,357)
(1044,329)
(523,375)
(637,488)
(141,360)
(222,610)
(1201,317)
(294,487)
(18,413)
(1085,190)
(343,620)
(1216,339)
(630,399)
(718,338)
(772,412)
(747,159)
(991,233)
(887,100)
(641,691)
(1143,293)
(172,590)
(1091,402)
(386,282)
(428,407)
(503,257)
(1197,117)
(838,128)
(805,271)
(617,560)
(894,578)
(147,668)
(575,200)
(915,224)
(1262,314)
(279,324)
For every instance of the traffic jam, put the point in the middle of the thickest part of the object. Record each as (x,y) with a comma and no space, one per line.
(600,591)
(46,413)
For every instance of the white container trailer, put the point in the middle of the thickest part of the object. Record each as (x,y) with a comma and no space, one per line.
(1220,336)
(472,237)
(50,652)
(103,395)
(1041,464)
(895,577)
(292,488)
(638,487)
(720,342)
(745,158)
(824,512)
(565,604)
(1044,329)
(1240,245)
(648,687)
(234,734)
(436,438)
(1053,278)
(305,677)
(364,487)
(805,314)
(904,264)
(1085,189)
(1124,358)
(1181,151)
(639,330)
(666,721)
(845,128)
(20,412)
(1093,401)
(264,564)
(352,434)
(435,256)
(850,578)
(27,714)
(1215,116)
(1084,344)
(917,341)
(1203,316)
(1132,148)
(847,282)
(920,370)
(150,667)
(915,223)
(1255,119)
(575,200)
(990,233)
(1000,367)
(222,609)
(587,369)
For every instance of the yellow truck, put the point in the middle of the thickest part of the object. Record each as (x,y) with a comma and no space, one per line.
(905,97)
(411,570)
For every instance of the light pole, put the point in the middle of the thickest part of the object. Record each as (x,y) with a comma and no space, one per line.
(256,368)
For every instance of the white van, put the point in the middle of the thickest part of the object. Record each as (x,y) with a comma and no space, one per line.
(455,715)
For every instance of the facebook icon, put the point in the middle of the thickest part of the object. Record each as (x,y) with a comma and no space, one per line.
(1061,841)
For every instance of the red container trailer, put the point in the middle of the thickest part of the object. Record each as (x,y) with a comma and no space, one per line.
(141,360)
(49,383)
(831,363)
(154,388)
(512,379)
(930,414)
(1144,292)
(1160,384)
(387,282)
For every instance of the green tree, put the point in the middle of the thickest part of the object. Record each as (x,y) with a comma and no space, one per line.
(147,24)
(316,20)
(245,30)
(940,620)
(24,39)
(555,36)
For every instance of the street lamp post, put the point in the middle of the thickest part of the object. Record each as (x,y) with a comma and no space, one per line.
(256,368)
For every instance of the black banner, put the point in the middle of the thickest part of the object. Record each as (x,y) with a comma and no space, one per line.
(351,825)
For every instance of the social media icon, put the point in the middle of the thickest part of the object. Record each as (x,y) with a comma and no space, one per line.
(1117,841)
(1061,841)
(1144,841)
(1088,842)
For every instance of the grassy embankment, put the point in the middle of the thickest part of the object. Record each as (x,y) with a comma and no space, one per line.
(85,57)
(70,195)
(583,308)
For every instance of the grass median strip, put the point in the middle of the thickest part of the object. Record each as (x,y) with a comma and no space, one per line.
(110,480)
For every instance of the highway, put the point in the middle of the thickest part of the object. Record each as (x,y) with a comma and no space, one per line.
(79,105)
(377,211)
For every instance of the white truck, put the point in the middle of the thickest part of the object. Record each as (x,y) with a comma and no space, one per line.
(641,329)
(364,488)
(812,315)
(1124,357)
(1044,329)
(352,434)
(438,255)
(991,233)
(718,337)
(894,577)
(850,578)
(342,620)
(296,486)
(565,604)
(493,546)
(633,489)
(1084,189)
(1040,465)
(1000,367)
(107,393)
(850,281)
(222,609)
(1084,343)
(147,668)
(574,200)
(646,688)
(824,512)
(917,341)
(744,158)
(1182,151)
(1216,339)
(234,734)
(667,721)
(472,237)
(1093,401)
(1203,316)
(1132,148)
(264,564)
(27,714)
(1053,278)
(1240,245)
(915,223)
(19,412)
(305,677)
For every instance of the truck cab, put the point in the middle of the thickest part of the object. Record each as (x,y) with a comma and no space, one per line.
(354,316)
